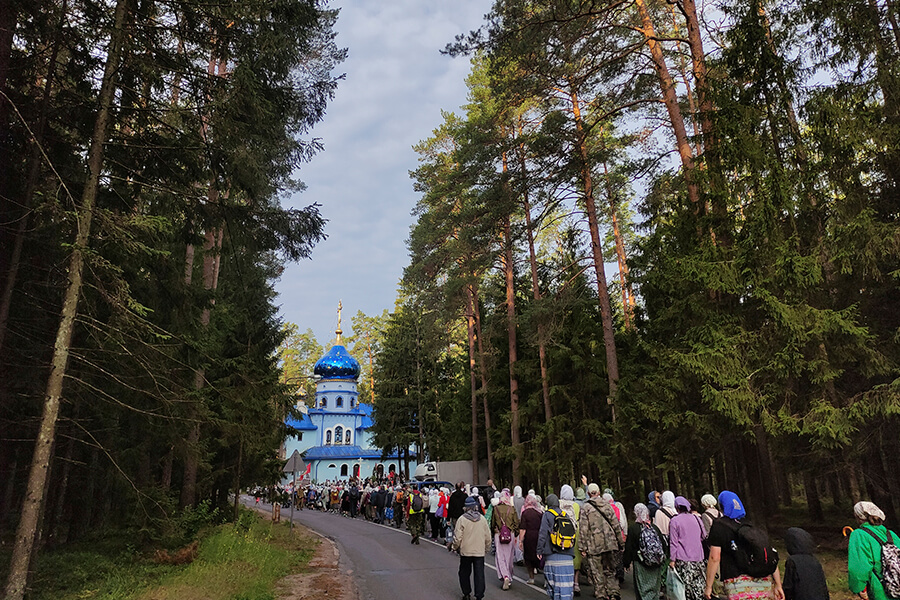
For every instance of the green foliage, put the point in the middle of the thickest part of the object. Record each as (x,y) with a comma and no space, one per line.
(234,561)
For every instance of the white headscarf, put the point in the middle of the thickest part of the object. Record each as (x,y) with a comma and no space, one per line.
(566,492)
(517,491)
(864,510)
(668,499)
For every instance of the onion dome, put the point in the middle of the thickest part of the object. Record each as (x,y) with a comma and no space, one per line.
(337,364)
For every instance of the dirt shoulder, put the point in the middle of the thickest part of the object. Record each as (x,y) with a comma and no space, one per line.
(322,577)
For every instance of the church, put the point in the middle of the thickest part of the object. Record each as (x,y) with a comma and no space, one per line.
(333,436)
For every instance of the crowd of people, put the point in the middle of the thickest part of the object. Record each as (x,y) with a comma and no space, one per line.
(675,547)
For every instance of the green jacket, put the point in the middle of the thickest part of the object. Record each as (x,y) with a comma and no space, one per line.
(864,560)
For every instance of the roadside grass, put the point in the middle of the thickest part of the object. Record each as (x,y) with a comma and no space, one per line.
(235,561)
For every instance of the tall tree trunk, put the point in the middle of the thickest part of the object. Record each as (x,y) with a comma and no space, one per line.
(470,332)
(34,162)
(212,250)
(670,99)
(40,464)
(484,383)
(609,341)
(237,479)
(813,503)
(621,257)
(536,294)
(509,272)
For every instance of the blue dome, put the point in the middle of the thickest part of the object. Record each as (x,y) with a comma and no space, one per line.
(337,364)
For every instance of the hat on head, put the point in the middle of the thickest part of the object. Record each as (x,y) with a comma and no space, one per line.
(608,491)
(471,502)
(593,489)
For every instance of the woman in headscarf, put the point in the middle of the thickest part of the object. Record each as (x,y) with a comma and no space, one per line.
(504,515)
(864,553)
(647,578)
(723,534)
(519,503)
(559,571)
(710,512)
(573,509)
(529,527)
(653,499)
(518,499)
(686,535)
(666,512)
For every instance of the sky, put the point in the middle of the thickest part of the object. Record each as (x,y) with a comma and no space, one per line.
(397,82)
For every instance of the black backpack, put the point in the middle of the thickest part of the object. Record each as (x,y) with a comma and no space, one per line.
(417,503)
(752,552)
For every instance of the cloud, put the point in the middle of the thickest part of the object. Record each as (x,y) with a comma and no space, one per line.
(397,83)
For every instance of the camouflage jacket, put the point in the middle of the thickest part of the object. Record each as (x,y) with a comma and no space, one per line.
(598,528)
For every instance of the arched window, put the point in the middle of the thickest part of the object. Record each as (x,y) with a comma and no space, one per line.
(332,466)
(343,470)
(347,438)
(339,402)
(323,403)
(338,435)
(328,438)
(351,402)
(356,471)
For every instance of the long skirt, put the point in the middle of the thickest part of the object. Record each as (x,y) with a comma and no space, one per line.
(647,581)
(749,588)
(693,574)
(559,575)
(504,558)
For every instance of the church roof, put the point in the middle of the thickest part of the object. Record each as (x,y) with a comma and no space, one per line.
(337,364)
(339,451)
(304,424)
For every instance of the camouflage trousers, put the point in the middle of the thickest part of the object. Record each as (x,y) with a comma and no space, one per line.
(603,575)
(417,524)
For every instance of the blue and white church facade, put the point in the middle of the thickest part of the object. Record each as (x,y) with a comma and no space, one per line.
(333,436)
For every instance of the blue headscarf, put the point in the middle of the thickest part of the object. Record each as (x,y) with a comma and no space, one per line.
(731,505)
(651,499)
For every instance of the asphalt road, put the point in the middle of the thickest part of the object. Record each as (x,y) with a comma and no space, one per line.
(387,567)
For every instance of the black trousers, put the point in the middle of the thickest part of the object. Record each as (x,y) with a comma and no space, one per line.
(435,525)
(467,564)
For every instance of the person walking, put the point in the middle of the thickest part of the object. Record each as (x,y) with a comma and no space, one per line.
(686,535)
(559,570)
(648,561)
(722,538)
(456,504)
(529,528)
(600,539)
(573,509)
(666,512)
(804,578)
(415,506)
(864,552)
(505,527)
(399,505)
(472,540)
(710,512)
(434,499)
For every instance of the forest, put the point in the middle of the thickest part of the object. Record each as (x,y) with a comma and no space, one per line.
(148,147)
(659,247)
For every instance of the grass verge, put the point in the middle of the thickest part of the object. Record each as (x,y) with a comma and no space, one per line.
(235,562)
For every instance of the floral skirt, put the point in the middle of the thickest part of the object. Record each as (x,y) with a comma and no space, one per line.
(693,574)
(749,588)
